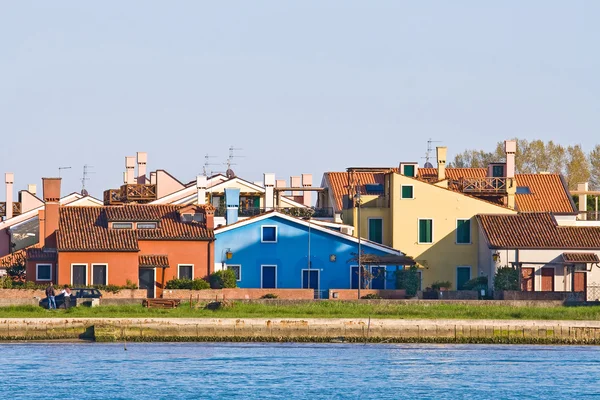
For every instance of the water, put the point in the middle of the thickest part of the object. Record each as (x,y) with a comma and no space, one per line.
(296,371)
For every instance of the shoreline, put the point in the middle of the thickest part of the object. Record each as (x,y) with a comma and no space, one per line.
(316,330)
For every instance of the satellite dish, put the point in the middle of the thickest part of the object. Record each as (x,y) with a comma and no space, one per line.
(229,173)
(84,192)
(428,165)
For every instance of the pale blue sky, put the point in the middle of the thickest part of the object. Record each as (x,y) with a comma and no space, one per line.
(304,86)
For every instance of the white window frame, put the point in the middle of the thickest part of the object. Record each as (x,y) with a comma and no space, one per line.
(419,231)
(407,198)
(137,225)
(318,279)
(240,269)
(456,232)
(37,276)
(87,272)
(184,265)
(123,223)
(369,228)
(456,273)
(262,231)
(92,274)
(261,274)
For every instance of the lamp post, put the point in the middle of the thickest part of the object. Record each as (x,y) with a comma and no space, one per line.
(357,202)
(307,219)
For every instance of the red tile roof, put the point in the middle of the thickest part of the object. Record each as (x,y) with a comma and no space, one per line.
(536,231)
(154,260)
(580,258)
(86,228)
(339,182)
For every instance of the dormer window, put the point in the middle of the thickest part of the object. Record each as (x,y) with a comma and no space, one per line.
(147,225)
(198,217)
(122,225)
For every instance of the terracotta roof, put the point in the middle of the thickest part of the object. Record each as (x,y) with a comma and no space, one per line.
(580,258)
(154,260)
(548,194)
(86,228)
(536,231)
(338,182)
(452,173)
(11,258)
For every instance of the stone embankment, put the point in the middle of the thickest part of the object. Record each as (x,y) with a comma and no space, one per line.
(302,330)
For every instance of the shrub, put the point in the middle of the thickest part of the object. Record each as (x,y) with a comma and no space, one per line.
(130,285)
(408,279)
(6,282)
(269,296)
(222,279)
(437,285)
(371,296)
(506,278)
(200,284)
(196,284)
(478,283)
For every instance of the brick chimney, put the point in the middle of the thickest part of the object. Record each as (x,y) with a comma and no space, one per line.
(201,189)
(441,153)
(9,178)
(142,158)
(510,148)
(51,193)
(209,216)
(130,170)
(307,196)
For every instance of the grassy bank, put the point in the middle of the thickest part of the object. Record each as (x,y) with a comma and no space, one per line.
(318,310)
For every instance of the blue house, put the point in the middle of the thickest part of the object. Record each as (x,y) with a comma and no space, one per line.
(273,251)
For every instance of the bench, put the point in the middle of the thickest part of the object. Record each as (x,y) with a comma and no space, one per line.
(161,303)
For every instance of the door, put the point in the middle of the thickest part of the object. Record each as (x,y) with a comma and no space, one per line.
(79,277)
(463,275)
(548,279)
(527,280)
(269,277)
(99,275)
(313,282)
(378,278)
(354,278)
(147,281)
(579,281)
(376,230)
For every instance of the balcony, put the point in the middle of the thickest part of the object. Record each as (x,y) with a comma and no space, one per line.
(494,186)
(130,193)
(15,206)
(300,212)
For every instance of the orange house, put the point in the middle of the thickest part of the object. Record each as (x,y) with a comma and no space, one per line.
(143,244)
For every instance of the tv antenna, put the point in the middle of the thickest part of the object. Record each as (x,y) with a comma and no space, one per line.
(429,151)
(229,173)
(86,172)
(61,168)
(207,163)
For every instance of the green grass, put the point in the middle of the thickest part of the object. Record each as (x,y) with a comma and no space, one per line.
(325,309)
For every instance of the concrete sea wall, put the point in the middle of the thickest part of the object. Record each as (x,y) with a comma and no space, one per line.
(302,330)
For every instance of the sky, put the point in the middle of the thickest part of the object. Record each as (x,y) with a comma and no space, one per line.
(299,86)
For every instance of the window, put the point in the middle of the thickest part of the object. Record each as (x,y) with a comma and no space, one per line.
(409,170)
(376,230)
(523,190)
(122,225)
(425,231)
(374,188)
(186,272)
(146,225)
(463,231)
(79,274)
(99,274)
(269,234)
(43,272)
(237,270)
(497,171)
(407,192)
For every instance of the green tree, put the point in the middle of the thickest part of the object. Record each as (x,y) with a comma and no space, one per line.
(222,279)
(577,166)
(594,160)
(408,279)
(506,278)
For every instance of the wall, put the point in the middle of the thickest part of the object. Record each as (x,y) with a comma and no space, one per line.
(443,256)
(30,271)
(238,294)
(39,293)
(122,266)
(290,254)
(352,294)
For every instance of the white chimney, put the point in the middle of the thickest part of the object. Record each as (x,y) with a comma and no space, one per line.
(130,170)
(9,179)
(269,184)
(201,188)
(31,188)
(142,158)
(441,153)
(510,148)
(295,181)
(153,178)
(583,187)
(307,195)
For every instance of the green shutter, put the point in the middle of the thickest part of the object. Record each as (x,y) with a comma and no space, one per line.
(463,231)
(407,192)
(376,230)
(425,231)
(409,170)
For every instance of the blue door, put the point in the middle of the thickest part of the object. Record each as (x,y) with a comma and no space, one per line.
(354,279)
(269,277)
(313,283)
(378,280)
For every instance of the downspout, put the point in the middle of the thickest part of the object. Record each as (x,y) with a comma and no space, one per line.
(518,264)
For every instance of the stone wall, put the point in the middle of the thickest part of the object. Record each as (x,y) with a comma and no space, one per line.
(41,294)
(539,296)
(352,294)
(238,294)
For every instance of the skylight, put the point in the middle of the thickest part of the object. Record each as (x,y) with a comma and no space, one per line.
(523,190)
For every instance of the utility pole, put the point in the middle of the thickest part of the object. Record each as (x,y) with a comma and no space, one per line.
(357,200)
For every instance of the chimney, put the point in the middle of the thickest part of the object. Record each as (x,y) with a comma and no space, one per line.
(209,216)
(142,158)
(280,183)
(153,178)
(31,188)
(510,148)
(42,228)
(232,204)
(269,184)
(201,188)
(129,170)
(307,195)
(441,162)
(295,181)
(582,187)
(9,178)
(51,193)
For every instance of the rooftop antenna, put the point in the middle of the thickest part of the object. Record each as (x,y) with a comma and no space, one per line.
(207,164)
(61,168)
(428,164)
(229,173)
(86,172)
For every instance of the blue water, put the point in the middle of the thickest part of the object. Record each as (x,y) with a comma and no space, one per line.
(296,371)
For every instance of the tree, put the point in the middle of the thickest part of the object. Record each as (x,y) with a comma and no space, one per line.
(222,279)
(408,279)
(594,160)
(577,167)
(506,278)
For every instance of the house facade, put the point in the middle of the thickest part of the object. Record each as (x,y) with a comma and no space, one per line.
(276,250)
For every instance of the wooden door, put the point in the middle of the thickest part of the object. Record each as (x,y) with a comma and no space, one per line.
(579,281)
(527,281)
(548,279)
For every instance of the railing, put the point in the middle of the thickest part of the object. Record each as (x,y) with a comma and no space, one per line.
(250,211)
(16,206)
(479,185)
(589,216)
(129,193)
(112,197)
(301,212)
(220,211)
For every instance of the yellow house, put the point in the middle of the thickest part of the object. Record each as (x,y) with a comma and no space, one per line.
(430,213)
